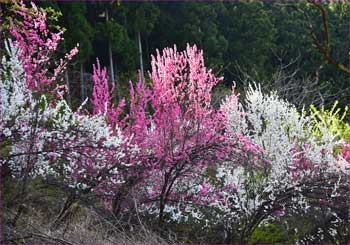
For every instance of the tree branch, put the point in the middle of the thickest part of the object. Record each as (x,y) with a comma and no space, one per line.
(326,48)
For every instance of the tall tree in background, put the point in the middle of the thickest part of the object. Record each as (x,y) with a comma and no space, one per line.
(250,33)
(143,21)
(79,30)
(201,26)
(258,37)
(291,40)
(195,23)
(167,29)
(114,33)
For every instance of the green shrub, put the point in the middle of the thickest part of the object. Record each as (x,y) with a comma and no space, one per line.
(270,233)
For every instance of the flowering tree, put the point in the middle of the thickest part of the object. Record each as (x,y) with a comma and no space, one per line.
(279,168)
(302,169)
(37,44)
(183,134)
(40,134)
(186,134)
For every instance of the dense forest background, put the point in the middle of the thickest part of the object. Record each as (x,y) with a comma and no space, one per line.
(266,42)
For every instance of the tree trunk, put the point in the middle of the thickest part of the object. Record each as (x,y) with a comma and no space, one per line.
(161,211)
(71,199)
(147,51)
(82,84)
(111,63)
(68,88)
(110,53)
(140,53)
(24,184)
(162,200)
(117,84)
(1,39)
(68,94)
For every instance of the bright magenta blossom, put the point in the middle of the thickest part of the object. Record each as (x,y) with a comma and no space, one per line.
(37,44)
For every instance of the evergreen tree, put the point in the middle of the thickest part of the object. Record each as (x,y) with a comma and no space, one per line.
(251,33)
(78,31)
(141,19)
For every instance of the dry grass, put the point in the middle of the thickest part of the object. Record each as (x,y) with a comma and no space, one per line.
(84,226)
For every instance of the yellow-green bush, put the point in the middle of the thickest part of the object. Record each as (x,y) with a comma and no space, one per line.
(333,119)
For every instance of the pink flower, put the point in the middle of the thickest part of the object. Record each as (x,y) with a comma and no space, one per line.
(205,188)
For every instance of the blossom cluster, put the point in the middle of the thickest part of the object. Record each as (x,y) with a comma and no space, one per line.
(37,45)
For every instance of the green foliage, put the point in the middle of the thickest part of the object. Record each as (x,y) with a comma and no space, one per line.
(79,30)
(258,36)
(292,38)
(251,32)
(270,233)
(201,26)
(113,32)
(3,147)
(53,17)
(146,16)
(333,119)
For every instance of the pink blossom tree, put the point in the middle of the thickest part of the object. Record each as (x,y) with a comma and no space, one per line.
(179,133)
(37,44)
(42,136)
(102,101)
(184,134)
